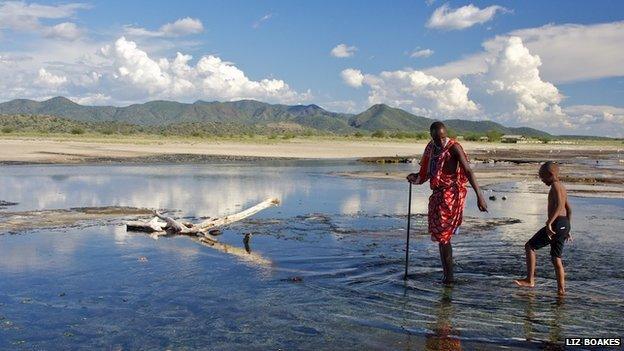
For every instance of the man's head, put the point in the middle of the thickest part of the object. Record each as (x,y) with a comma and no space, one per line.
(549,172)
(438,132)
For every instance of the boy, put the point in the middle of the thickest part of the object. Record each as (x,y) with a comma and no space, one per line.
(556,231)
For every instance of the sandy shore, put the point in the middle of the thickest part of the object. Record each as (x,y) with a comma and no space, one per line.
(42,150)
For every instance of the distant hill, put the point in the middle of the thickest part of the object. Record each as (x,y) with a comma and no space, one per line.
(249,115)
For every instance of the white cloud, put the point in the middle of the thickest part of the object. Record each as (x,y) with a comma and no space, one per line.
(261,20)
(597,119)
(181,27)
(352,77)
(65,30)
(421,53)
(343,50)
(20,16)
(50,80)
(210,78)
(513,90)
(564,60)
(417,92)
(463,17)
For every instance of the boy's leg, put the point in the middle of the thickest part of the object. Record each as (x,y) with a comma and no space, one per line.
(530,266)
(446,256)
(560,273)
(539,240)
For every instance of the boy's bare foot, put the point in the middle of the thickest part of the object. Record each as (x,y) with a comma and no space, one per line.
(561,292)
(525,282)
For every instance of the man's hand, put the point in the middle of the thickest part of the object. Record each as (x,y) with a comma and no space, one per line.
(569,238)
(413,178)
(482,204)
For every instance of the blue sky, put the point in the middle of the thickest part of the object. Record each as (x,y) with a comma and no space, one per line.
(553,65)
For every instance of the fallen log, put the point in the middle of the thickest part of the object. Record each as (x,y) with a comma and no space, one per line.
(162,225)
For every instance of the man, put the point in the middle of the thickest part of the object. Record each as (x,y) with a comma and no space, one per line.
(446,166)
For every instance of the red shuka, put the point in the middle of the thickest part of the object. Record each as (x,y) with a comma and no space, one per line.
(446,203)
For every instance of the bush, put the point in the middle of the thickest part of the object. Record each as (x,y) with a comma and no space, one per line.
(197,134)
(472,137)
(77,131)
(494,135)
(7,130)
(272,136)
(288,135)
(107,131)
(358,134)
(379,134)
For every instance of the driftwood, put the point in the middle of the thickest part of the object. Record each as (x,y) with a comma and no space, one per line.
(202,233)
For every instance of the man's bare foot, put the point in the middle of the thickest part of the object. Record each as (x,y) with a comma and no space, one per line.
(561,292)
(448,281)
(525,282)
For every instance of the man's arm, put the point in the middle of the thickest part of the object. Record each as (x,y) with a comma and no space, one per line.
(463,162)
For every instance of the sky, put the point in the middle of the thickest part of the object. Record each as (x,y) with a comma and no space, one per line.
(552,65)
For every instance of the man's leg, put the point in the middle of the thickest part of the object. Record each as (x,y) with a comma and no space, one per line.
(446,256)
(530,264)
(559,272)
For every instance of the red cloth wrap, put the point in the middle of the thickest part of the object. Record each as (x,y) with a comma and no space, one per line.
(446,203)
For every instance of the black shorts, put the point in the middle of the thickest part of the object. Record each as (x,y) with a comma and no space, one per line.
(561,227)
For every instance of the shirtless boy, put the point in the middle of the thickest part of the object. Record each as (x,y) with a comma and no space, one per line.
(556,231)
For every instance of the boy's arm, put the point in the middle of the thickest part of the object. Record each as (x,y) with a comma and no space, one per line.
(559,197)
(568,211)
(463,162)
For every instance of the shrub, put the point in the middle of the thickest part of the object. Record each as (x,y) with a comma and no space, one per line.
(288,135)
(77,131)
(7,130)
(358,134)
(379,134)
(494,135)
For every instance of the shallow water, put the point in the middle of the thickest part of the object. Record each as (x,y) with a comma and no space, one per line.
(337,248)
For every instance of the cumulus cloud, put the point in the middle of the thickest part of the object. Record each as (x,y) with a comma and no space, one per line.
(447,18)
(50,80)
(22,17)
(415,91)
(421,53)
(210,77)
(181,27)
(564,60)
(65,30)
(343,50)
(352,77)
(597,119)
(512,82)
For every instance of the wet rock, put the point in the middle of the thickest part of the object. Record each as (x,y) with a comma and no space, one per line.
(62,294)
(295,279)
(214,232)
(492,197)
(305,330)
(142,259)
(504,198)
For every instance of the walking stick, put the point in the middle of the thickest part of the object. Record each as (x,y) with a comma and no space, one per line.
(409,219)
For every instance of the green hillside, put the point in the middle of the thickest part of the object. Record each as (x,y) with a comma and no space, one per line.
(245,116)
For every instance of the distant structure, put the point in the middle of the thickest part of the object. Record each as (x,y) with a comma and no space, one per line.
(510,138)
(484,138)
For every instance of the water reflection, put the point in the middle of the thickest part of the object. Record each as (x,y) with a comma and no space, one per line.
(444,336)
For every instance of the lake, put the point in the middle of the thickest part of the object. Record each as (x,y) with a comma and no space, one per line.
(336,247)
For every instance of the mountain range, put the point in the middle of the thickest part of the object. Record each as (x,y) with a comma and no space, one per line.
(246,113)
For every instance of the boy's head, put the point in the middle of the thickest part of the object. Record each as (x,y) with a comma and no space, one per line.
(549,172)
(438,132)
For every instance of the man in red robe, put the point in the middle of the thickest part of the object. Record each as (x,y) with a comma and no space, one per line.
(445,165)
